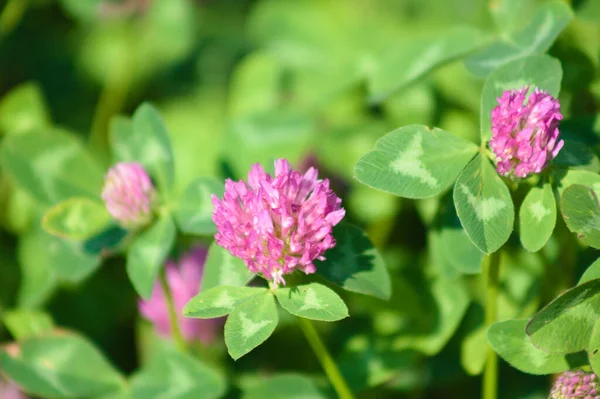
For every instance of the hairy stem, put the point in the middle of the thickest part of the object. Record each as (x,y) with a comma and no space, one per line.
(175,330)
(331,369)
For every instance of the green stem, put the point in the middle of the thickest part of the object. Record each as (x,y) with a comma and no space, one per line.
(11,15)
(111,101)
(331,369)
(175,330)
(490,376)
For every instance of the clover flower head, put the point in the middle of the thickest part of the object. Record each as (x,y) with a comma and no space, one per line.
(576,385)
(129,194)
(525,136)
(184,278)
(277,224)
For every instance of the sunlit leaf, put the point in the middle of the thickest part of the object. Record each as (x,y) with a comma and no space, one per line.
(312,301)
(415,162)
(537,217)
(484,205)
(250,324)
(509,340)
(219,301)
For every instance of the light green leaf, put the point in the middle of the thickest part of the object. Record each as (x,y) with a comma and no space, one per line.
(51,165)
(284,386)
(540,71)
(565,325)
(415,162)
(591,273)
(509,340)
(144,140)
(148,253)
(473,351)
(484,205)
(537,217)
(535,38)
(24,323)
(589,10)
(76,219)
(23,110)
(219,301)
(222,268)
(61,365)
(355,264)
(412,58)
(312,301)
(174,375)
(594,348)
(250,324)
(38,280)
(566,178)
(193,210)
(581,212)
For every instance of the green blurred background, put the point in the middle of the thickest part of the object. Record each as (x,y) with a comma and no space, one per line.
(239,82)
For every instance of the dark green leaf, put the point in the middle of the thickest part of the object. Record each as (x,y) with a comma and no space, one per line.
(355,264)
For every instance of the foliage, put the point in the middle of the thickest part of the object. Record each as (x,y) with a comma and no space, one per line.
(391,101)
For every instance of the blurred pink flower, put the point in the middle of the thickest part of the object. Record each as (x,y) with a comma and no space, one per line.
(10,390)
(277,224)
(129,194)
(184,279)
(576,385)
(525,137)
